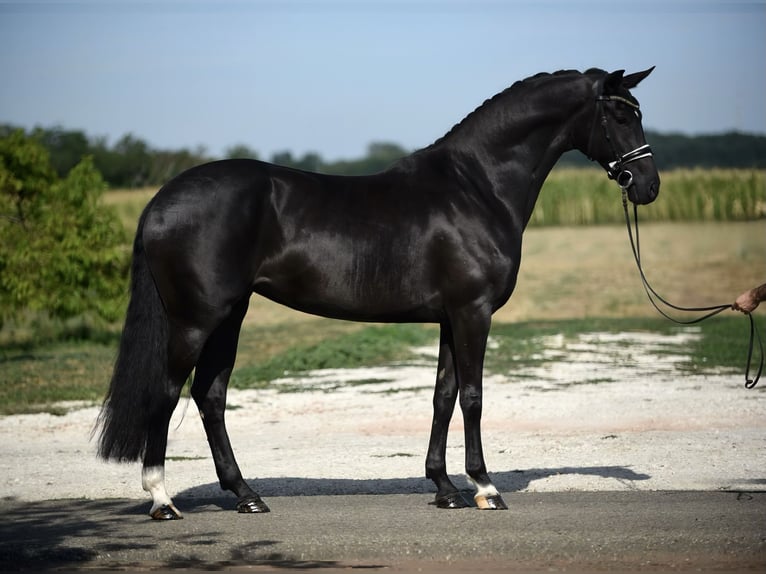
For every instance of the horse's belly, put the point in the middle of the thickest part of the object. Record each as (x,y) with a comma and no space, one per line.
(348,296)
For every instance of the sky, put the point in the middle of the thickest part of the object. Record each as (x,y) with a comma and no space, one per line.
(331,77)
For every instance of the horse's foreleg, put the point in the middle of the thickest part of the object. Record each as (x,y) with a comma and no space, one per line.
(445,397)
(209,391)
(471,329)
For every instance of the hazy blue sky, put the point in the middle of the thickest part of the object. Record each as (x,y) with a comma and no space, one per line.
(333,76)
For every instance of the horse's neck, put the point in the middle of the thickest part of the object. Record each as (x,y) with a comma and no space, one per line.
(516,151)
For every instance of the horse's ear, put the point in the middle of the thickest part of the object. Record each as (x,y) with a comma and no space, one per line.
(613,82)
(632,80)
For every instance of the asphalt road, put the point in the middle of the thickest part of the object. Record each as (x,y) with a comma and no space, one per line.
(571,531)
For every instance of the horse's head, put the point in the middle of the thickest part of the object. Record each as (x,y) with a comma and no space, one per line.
(617,137)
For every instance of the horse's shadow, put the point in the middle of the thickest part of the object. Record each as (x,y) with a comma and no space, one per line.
(507,481)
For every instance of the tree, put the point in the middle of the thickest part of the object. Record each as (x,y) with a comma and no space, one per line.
(25,174)
(284,158)
(380,155)
(66,148)
(239,151)
(61,251)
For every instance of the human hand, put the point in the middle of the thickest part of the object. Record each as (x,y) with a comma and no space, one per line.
(746,302)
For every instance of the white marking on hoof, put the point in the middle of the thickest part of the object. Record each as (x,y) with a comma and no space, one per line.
(153,481)
(483,491)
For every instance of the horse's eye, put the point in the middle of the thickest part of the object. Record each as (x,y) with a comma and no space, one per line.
(622,120)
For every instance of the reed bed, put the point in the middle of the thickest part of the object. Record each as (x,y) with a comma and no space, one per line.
(584,196)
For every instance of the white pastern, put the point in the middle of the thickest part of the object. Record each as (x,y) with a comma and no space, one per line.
(483,491)
(153,481)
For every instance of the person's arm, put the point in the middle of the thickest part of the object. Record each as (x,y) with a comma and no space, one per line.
(749,300)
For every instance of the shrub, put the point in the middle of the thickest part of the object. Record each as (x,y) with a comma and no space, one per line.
(62,253)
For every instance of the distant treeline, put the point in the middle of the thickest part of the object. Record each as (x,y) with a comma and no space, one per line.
(131,162)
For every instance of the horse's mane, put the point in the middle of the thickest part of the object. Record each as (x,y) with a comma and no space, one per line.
(513,91)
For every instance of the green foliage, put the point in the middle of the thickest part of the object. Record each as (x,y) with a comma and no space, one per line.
(728,150)
(66,147)
(25,175)
(128,163)
(732,150)
(241,151)
(61,252)
(380,155)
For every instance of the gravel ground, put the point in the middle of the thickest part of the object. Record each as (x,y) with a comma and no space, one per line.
(606,413)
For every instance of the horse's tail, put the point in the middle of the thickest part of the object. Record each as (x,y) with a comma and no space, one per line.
(140,372)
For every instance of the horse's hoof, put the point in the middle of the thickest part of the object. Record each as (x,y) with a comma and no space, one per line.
(252,505)
(450,501)
(166,512)
(492,502)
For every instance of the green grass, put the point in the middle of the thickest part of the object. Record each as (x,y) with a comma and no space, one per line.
(724,345)
(366,346)
(33,379)
(721,347)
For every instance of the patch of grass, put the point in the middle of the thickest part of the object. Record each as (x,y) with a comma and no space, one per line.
(520,345)
(721,347)
(368,346)
(34,379)
(33,329)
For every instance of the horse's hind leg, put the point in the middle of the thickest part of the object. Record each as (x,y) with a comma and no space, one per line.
(209,391)
(183,351)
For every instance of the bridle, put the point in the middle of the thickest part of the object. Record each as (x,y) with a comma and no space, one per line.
(616,169)
(624,178)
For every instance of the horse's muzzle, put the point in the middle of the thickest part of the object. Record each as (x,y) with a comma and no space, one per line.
(640,194)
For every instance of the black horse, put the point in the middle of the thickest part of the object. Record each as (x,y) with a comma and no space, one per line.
(435,238)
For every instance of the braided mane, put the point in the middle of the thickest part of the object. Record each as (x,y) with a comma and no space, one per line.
(512,92)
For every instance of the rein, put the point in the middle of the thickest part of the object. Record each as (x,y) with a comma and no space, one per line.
(708,311)
(624,178)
